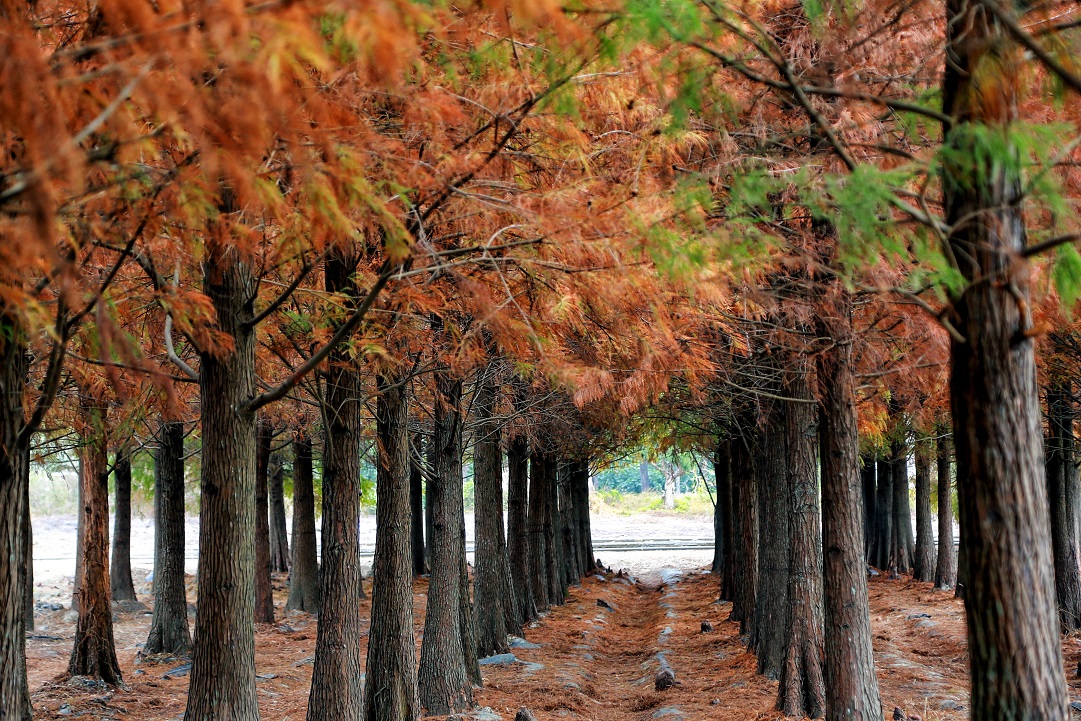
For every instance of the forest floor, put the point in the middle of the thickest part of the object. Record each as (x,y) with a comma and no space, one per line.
(582,660)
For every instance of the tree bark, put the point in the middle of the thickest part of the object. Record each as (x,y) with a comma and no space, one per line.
(643,475)
(444,678)
(492,588)
(946,567)
(868,481)
(849,668)
(391,682)
(264,592)
(337,688)
(801,691)
(745,560)
(568,547)
(223,645)
(304,576)
(722,511)
(429,516)
(880,550)
(518,528)
(1013,641)
(14,695)
(416,510)
(553,548)
(538,512)
(80,528)
(901,545)
(279,534)
(28,542)
(771,601)
(123,589)
(94,652)
(581,506)
(923,564)
(169,623)
(1060,454)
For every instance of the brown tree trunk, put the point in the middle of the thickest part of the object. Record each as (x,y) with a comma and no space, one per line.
(946,567)
(568,552)
(801,691)
(1013,632)
(223,645)
(849,668)
(416,510)
(337,688)
(264,592)
(880,551)
(1060,455)
(538,512)
(901,547)
(94,652)
(553,549)
(444,678)
(279,535)
(120,567)
(391,681)
(518,550)
(722,510)
(771,601)
(923,564)
(28,543)
(169,623)
(868,482)
(14,696)
(304,575)
(429,516)
(492,587)
(745,560)
(585,531)
(80,527)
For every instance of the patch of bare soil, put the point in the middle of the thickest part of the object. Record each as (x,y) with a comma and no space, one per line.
(591,661)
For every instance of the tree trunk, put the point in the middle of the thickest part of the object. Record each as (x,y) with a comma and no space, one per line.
(581,507)
(571,574)
(643,475)
(444,678)
(264,592)
(923,565)
(946,567)
(337,689)
(801,691)
(1013,640)
(80,528)
(538,511)
(745,561)
(94,652)
(223,645)
(391,681)
(429,516)
(901,549)
(849,668)
(279,534)
(169,623)
(553,548)
(1060,454)
(28,543)
(492,588)
(880,553)
(120,568)
(304,576)
(416,510)
(771,601)
(518,528)
(868,482)
(14,502)
(671,473)
(722,510)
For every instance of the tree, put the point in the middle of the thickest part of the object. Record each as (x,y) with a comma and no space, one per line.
(1016,661)
(120,581)
(279,536)
(264,592)
(169,623)
(946,565)
(304,576)
(923,565)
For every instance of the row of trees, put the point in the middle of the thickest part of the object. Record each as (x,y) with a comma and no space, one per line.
(778,233)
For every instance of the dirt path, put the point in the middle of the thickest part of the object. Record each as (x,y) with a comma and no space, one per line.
(581,661)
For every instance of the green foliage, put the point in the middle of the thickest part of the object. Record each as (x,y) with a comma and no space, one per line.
(1066,274)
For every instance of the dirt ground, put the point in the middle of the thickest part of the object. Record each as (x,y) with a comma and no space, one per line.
(589,662)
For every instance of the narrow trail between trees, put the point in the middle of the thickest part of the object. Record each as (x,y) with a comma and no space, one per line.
(583,660)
